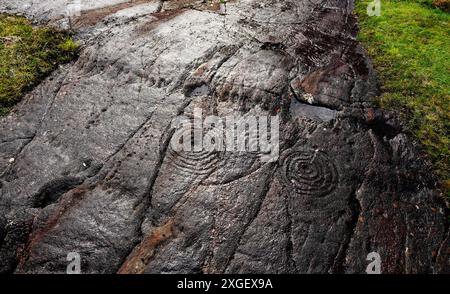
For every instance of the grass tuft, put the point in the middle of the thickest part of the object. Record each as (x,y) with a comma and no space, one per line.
(27,55)
(409,44)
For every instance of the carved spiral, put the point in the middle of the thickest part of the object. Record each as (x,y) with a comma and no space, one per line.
(193,162)
(310,173)
(196,163)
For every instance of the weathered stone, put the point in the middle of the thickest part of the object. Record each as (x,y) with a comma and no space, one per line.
(94,173)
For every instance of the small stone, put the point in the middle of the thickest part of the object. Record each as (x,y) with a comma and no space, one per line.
(11,160)
(309,98)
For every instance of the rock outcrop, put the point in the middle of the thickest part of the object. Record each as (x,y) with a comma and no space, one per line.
(86,165)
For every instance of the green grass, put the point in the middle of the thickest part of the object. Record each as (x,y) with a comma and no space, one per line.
(27,55)
(410,47)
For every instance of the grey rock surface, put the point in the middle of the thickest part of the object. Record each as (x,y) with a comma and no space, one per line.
(86,165)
